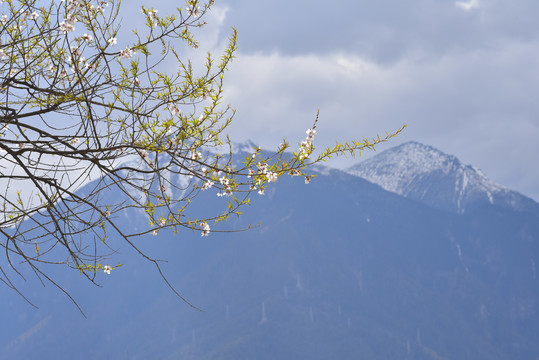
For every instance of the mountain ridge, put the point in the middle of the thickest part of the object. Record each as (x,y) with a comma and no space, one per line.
(426,174)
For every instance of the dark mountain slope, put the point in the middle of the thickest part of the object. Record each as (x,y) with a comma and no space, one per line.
(339,268)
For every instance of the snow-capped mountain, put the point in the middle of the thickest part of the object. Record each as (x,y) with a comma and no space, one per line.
(423,173)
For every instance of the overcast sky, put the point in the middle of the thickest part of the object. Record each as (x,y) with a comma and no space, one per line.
(464,76)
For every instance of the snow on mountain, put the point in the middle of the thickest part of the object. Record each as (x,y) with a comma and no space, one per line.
(425,174)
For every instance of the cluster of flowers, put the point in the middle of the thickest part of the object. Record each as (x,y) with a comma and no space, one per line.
(101,6)
(262,173)
(227,189)
(206,93)
(306,146)
(174,141)
(197,155)
(76,55)
(223,180)
(68,25)
(73,5)
(174,109)
(144,155)
(127,53)
(262,169)
(296,172)
(205,228)
(152,13)
(207,184)
(25,15)
(193,11)
(77,58)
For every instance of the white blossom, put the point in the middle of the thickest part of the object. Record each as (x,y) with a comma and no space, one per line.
(205,94)
(87,37)
(75,52)
(307,144)
(194,11)
(262,167)
(174,109)
(205,228)
(294,172)
(196,155)
(272,176)
(152,13)
(175,141)
(207,185)
(127,53)
(143,153)
(112,41)
(107,269)
(224,181)
(67,26)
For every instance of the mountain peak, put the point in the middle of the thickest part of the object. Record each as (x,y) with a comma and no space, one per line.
(426,174)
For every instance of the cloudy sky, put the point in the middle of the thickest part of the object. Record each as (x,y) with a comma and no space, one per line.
(464,76)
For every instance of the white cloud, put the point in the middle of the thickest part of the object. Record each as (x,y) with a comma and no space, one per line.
(467,5)
(470,104)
